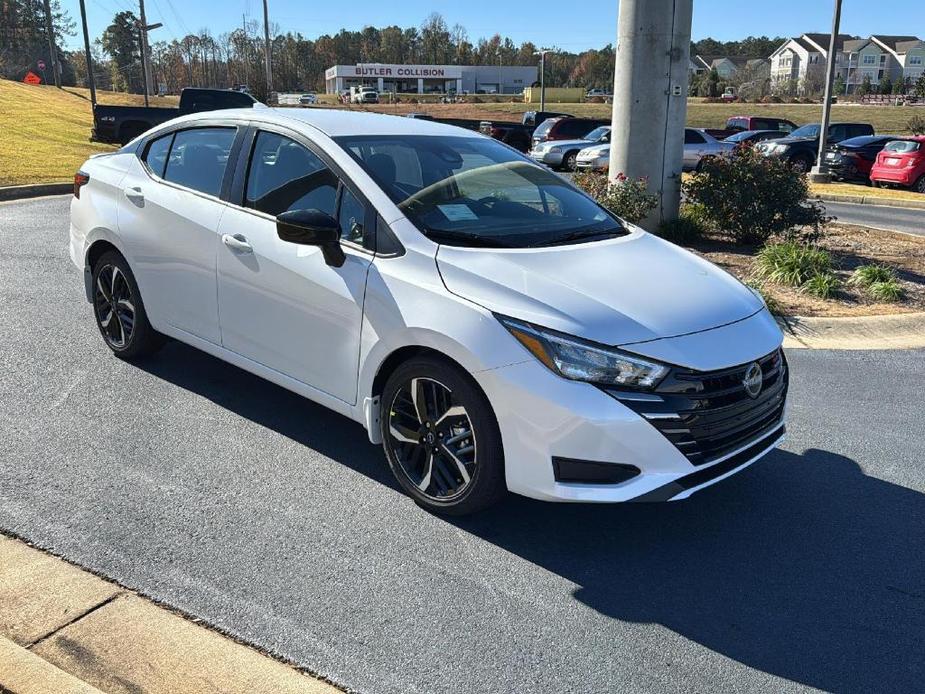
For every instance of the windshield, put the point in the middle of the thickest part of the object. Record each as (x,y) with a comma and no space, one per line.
(902,146)
(811,130)
(478,192)
(739,136)
(598,133)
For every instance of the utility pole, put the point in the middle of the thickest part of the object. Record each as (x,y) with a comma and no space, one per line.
(652,60)
(145,65)
(542,54)
(52,50)
(268,56)
(91,81)
(820,172)
(245,46)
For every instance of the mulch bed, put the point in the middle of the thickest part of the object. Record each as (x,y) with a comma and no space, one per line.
(849,246)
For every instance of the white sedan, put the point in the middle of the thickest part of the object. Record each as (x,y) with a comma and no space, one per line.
(486,322)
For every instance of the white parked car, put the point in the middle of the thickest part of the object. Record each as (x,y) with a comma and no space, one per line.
(486,322)
(563,154)
(700,146)
(308,99)
(594,158)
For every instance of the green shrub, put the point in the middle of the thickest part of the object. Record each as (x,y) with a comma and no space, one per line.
(627,198)
(916,125)
(791,263)
(752,198)
(824,285)
(866,275)
(690,226)
(887,291)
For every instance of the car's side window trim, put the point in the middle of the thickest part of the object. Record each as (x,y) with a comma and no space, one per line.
(238,190)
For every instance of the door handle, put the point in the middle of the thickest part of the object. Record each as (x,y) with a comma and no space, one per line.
(134,193)
(237,242)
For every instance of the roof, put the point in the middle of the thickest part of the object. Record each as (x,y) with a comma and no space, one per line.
(822,41)
(892,42)
(906,46)
(335,122)
(854,45)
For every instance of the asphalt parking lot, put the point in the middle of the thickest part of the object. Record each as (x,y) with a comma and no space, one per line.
(275,520)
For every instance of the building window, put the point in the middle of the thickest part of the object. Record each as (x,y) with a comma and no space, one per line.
(870,60)
(915,60)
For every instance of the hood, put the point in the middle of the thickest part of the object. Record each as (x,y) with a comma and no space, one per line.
(792,140)
(595,151)
(633,288)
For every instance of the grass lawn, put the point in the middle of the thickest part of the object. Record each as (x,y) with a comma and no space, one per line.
(860,191)
(45,131)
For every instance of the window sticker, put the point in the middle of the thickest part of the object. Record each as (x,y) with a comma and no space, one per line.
(457,212)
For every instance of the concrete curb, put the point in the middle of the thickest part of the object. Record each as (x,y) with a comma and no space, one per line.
(898,331)
(878,202)
(34,190)
(63,629)
(23,672)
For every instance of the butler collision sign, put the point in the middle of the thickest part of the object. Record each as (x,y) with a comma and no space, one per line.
(429,78)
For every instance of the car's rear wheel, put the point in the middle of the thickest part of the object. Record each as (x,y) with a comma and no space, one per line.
(119,310)
(919,186)
(441,438)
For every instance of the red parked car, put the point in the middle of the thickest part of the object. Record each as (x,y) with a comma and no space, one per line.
(901,163)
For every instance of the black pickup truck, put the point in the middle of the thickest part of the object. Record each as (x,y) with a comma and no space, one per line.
(517,135)
(120,124)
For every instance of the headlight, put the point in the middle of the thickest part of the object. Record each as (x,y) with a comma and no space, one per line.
(554,149)
(578,360)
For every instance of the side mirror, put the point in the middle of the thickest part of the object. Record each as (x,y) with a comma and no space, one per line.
(312,228)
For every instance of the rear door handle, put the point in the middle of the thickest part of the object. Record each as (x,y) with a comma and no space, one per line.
(237,242)
(134,193)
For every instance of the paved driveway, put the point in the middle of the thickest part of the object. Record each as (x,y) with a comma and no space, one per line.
(270,517)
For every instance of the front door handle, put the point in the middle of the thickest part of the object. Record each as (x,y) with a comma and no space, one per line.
(237,243)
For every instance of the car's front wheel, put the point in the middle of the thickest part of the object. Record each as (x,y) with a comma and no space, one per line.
(801,163)
(441,437)
(119,310)
(570,161)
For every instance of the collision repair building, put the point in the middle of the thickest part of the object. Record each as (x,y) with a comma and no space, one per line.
(423,79)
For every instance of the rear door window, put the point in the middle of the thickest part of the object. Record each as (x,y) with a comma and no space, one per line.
(692,137)
(198,158)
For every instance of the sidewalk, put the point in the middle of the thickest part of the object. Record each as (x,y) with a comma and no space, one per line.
(63,629)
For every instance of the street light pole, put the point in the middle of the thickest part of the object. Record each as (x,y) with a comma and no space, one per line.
(542,54)
(91,82)
(820,172)
(267,56)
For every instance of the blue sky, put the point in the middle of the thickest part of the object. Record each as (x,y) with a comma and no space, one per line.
(545,22)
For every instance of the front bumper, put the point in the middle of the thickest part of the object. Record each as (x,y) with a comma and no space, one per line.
(544,417)
(595,164)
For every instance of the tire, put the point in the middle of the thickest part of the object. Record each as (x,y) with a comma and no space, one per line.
(801,163)
(119,311)
(569,161)
(425,442)
(919,185)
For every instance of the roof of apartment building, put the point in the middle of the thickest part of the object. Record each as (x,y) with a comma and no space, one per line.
(820,42)
(893,42)
(854,45)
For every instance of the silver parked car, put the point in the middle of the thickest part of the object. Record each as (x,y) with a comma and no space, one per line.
(563,154)
(700,145)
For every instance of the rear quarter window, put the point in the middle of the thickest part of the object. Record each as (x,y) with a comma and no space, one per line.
(155,157)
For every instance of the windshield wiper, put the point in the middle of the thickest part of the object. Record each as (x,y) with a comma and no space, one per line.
(439,235)
(579,235)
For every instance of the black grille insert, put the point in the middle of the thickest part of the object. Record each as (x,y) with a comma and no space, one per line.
(707,414)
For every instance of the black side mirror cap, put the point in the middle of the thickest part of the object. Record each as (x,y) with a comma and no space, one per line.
(312,228)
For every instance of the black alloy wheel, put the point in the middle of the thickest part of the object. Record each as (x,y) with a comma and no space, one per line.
(119,310)
(441,438)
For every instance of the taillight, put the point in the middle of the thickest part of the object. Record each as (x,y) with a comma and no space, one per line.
(80,180)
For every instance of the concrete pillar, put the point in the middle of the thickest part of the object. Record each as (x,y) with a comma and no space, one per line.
(650,97)
(420,85)
(459,86)
(380,87)
(338,85)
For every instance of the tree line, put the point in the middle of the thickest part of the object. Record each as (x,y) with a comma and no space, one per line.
(236,57)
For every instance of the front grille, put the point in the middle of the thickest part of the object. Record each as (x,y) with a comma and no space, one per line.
(707,414)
